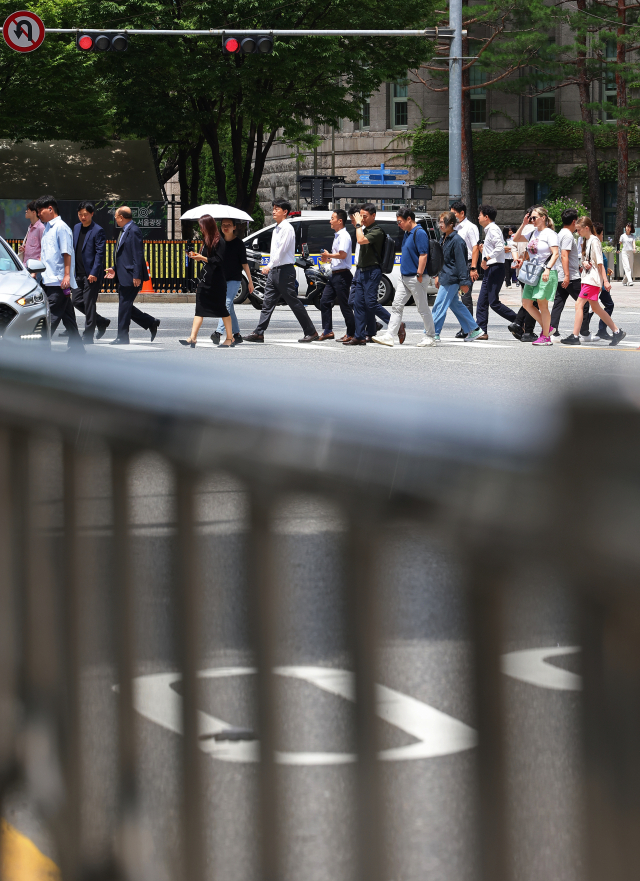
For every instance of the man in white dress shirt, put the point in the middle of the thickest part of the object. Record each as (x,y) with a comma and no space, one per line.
(281,277)
(339,284)
(493,266)
(471,235)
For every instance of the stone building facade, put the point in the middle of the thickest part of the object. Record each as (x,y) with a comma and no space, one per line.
(396,108)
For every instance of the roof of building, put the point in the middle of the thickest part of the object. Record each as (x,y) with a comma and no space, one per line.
(121,170)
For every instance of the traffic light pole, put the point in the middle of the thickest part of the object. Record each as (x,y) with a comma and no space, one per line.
(454,33)
(455,101)
(444,33)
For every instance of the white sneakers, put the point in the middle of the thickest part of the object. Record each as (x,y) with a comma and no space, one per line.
(385,339)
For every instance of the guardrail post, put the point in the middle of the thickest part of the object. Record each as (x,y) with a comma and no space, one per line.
(186,595)
(122,575)
(263,605)
(486,600)
(362,603)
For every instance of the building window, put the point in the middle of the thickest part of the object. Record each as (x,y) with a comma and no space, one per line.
(365,118)
(609,91)
(545,107)
(610,205)
(478,96)
(536,192)
(399,105)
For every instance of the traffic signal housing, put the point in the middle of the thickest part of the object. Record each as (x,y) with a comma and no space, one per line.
(247,44)
(102,42)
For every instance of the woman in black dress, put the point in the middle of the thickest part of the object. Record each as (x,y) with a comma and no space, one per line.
(211,292)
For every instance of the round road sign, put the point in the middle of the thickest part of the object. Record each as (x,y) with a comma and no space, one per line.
(23,31)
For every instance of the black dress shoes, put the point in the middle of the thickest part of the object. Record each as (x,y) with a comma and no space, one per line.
(237,338)
(254,338)
(153,330)
(354,342)
(215,338)
(309,338)
(119,342)
(516,330)
(101,329)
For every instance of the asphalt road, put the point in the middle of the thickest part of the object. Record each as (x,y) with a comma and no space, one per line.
(429,771)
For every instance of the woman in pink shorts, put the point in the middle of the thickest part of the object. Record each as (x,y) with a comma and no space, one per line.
(593,278)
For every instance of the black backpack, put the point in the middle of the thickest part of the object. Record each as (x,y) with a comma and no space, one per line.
(388,256)
(435,258)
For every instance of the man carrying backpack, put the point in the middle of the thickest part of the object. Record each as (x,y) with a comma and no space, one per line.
(415,253)
(368,274)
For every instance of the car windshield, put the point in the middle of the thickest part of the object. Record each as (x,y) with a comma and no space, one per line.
(8,262)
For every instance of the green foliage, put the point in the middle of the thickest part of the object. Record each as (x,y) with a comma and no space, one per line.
(555,207)
(55,91)
(533,150)
(178,90)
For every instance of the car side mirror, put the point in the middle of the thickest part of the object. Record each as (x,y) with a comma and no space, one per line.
(35,265)
(254,244)
(305,251)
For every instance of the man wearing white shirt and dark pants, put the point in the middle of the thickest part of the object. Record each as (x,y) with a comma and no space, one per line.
(281,277)
(493,266)
(471,235)
(339,284)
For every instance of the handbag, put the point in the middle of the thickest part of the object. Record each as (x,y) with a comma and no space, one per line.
(530,273)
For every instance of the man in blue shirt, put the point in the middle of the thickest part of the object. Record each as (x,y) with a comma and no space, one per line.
(413,283)
(56,252)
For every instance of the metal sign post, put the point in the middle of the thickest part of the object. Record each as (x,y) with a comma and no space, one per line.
(455,102)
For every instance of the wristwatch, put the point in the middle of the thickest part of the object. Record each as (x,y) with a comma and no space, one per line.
(474,268)
(358,225)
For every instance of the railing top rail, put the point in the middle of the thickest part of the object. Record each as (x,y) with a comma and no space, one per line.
(204,417)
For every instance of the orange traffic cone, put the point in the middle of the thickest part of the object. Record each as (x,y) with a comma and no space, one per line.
(147,286)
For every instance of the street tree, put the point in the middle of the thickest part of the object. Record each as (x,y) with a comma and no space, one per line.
(240,105)
(504,37)
(53,92)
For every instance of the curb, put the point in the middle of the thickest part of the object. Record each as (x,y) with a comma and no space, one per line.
(20,859)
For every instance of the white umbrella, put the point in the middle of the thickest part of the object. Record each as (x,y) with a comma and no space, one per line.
(218,212)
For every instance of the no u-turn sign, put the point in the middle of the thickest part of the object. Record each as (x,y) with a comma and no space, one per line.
(23,31)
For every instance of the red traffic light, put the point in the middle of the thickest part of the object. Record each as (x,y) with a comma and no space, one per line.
(85,42)
(231,45)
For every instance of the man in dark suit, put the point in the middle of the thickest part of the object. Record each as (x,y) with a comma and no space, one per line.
(129,272)
(90,246)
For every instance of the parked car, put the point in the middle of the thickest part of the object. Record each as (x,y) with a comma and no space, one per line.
(312,229)
(24,310)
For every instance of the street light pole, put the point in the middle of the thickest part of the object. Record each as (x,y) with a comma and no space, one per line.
(455,101)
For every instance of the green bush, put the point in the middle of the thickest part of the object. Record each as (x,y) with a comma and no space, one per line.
(555,207)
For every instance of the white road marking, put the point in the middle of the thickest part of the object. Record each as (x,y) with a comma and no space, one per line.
(530,666)
(438,734)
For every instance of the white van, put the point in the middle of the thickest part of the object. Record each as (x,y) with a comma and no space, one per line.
(312,228)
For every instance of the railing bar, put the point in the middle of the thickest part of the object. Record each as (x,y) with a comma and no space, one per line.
(362,606)
(122,576)
(71,721)
(188,606)
(262,603)
(486,603)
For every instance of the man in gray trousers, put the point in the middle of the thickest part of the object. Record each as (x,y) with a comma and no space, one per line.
(281,278)
(413,283)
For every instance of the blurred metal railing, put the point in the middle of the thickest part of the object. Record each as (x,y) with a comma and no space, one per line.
(473,471)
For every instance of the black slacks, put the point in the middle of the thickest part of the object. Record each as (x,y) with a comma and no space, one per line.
(61,310)
(127,312)
(337,288)
(84,298)
(281,282)
(490,296)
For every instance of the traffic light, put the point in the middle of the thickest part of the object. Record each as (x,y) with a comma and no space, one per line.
(247,44)
(102,42)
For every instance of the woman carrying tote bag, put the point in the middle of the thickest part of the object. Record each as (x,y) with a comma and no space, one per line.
(593,277)
(536,271)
